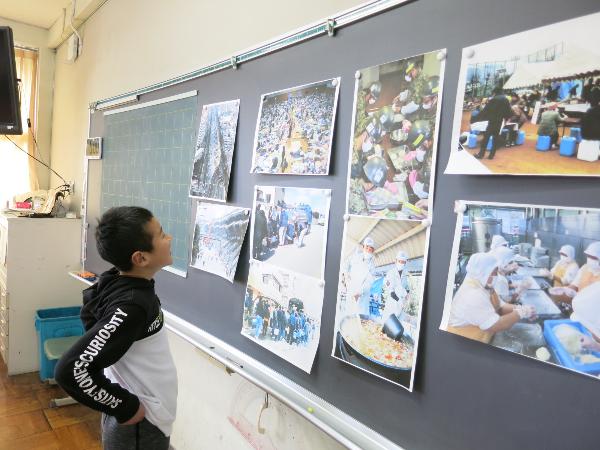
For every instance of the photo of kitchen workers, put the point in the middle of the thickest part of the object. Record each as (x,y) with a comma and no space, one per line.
(531,109)
(294,130)
(522,280)
(289,228)
(380,296)
(394,138)
(282,312)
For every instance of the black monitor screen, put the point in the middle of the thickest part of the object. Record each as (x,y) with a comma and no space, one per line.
(10,116)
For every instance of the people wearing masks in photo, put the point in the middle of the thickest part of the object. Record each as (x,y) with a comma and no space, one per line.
(549,122)
(498,241)
(564,271)
(477,312)
(495,111)
(586,310)
(359,276)
(506,265)
(396,287)
(590,271)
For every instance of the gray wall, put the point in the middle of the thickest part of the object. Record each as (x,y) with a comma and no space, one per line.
(467,395)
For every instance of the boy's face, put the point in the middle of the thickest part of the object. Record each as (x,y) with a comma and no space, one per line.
(160,256)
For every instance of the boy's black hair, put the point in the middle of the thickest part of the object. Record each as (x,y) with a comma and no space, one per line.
(121,232)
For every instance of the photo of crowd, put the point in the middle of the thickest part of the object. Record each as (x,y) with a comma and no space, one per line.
(529,103)
(289,228)
(219,233)
(392,158)
(282,313)
(380,294)
(294,130)
(214,150)
(526,279)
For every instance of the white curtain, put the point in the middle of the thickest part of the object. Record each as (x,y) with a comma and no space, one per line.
(17,171)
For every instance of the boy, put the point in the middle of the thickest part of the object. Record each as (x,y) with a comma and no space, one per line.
(122,366)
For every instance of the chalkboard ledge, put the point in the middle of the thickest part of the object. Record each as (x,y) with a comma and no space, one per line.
(339,425)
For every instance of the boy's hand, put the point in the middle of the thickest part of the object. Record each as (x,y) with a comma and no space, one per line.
(138,417)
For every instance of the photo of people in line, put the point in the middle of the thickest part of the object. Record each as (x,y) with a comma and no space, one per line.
(294,130)
(282,313)
(289,228)
(529,103)
(380,296)
(527,279)
(397,106)
(219,233)
(214,150)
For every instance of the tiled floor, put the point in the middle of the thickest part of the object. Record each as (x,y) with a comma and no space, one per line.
(27,421)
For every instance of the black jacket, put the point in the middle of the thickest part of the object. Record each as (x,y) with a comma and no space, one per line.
(117,311)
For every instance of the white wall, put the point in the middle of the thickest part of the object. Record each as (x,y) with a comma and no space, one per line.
(35,37)
(220,411)
(129,44)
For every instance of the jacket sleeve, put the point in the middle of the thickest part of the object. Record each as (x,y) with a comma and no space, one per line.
(80,371)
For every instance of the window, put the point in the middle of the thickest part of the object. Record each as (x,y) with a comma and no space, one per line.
(17,170)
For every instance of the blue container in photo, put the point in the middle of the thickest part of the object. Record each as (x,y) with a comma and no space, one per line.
(568,146)
(472,141)
(520,138)
(559,351)
(543,143)
(576,133)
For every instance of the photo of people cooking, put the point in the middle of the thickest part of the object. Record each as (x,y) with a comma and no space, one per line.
(394,137)
(527,280)
(531,104)
(379,296)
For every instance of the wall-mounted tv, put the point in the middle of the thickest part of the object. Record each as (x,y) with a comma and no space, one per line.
(10,111)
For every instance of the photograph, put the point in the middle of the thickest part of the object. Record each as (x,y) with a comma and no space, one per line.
(380,295)
(289,228)
(526,278)
(93,148)
(282,313)
(219,233)
(214,150)
(391,167)
(294,130)
(529,103)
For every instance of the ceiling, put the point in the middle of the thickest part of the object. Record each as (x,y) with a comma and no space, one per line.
(41,13)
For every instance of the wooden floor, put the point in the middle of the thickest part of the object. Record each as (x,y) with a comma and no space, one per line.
(27,422)
(525,159)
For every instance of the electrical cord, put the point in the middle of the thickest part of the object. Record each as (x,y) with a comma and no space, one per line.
(41,162)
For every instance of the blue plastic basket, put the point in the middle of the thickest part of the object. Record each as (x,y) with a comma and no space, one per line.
(563,356)
(55,323)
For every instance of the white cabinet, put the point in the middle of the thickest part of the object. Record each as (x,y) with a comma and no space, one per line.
(35,256)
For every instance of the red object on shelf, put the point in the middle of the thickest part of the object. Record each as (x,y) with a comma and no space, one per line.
(23,205)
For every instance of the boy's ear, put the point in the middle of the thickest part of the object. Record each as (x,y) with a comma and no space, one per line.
(138,259)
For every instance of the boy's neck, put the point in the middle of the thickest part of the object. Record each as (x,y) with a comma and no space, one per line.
(139,272)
